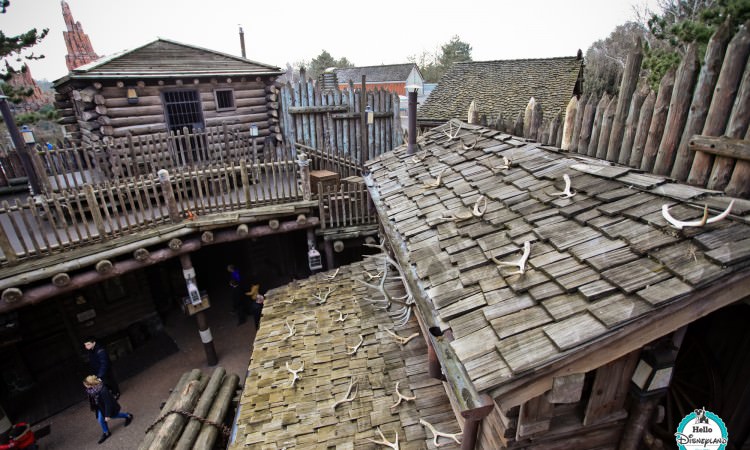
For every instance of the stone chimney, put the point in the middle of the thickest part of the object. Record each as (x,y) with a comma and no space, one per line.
(80,51)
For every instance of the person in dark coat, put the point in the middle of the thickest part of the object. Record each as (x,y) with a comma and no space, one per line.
(104,405)
(101,364)
(256,309)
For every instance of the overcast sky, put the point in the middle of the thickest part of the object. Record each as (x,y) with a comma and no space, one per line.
(366,33)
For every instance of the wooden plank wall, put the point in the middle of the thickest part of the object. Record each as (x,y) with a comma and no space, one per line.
(652,131)
(327,125)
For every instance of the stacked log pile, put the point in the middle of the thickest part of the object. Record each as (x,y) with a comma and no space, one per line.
(194,414)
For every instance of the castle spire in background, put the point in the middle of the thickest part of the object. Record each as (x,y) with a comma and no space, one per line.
(80,51)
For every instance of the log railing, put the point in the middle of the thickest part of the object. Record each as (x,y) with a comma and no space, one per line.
(347,205)
(651,130)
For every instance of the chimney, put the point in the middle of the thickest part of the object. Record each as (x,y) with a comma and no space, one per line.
(242,42)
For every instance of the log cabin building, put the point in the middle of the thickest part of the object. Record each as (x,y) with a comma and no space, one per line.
(167,86)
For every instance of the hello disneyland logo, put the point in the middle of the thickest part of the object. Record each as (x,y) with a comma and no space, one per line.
(701,429)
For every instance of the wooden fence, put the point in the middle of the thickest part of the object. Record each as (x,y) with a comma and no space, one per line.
(347,205)
(329,124)
(664,132)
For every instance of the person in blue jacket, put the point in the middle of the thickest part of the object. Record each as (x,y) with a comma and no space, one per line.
(104,405)
(101,364)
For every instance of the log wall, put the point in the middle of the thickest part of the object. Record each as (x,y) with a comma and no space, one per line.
(653,131)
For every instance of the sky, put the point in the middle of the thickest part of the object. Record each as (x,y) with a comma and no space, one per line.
(290,31)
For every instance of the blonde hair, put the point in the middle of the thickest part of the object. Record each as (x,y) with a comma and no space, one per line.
(91,381)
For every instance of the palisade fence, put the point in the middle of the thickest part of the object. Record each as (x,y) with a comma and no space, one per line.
(693,129)
(328,125)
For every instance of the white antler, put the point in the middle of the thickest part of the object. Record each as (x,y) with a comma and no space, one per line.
(469,147)
(292,330)
(478,210)
(505,165)
(521,263)
(450,134)
(349,395)
(294,297)
(371,277)
(436,182)
(679,224)
(342,316)
(322,298)
(331,277)
(402,340)
(405,303)
(402,397)
(437,434)
(353,350)
(566,193)
(392,445)
(295,372)
(419,156)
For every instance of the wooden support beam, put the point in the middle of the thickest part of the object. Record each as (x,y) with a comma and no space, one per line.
(721,146)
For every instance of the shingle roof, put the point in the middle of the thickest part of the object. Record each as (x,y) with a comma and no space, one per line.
(502,86)
(375,74)
(272,414)
(163,58)
(598,261)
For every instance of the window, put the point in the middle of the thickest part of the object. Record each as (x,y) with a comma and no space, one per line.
(224,99)
(183,110)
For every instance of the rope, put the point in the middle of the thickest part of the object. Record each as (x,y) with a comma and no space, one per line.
(221,427)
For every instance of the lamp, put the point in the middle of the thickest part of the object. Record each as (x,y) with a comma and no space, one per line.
(314,259)
(132,96)
(28,135)
(370,115)
(253,130)
(654,370)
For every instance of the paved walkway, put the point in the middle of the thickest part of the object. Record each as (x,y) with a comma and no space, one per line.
(76,428)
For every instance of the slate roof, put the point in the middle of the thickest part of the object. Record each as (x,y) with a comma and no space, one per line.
(375,74)
(272,414)
(598,261)
(502,86)
(165,58)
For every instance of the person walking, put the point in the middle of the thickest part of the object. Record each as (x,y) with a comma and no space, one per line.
(104,405)
(101,365)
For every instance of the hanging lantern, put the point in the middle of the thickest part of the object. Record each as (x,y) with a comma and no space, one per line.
(313,258)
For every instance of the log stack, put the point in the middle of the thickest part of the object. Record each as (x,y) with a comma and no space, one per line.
(195,413)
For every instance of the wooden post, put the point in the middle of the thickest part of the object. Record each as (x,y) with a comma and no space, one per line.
(527,114)
(187,439)
(606,128)
(658,121)
(576,135)
(96,214)
(535,128)
(587,122)
(678,111)
(208,433)
(638,421)
(631,126)
(571,112)
(169,198)
(473,114)
(304,175)
(739,184)
(5,246)
(641,133)
(173,423)
(364,151)
(186,378)
(627,87)
(203,330)
(518,125)
(704,89)
(721,105)
(601,108)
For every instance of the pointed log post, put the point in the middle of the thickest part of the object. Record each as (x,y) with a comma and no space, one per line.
(641,132)
(601,108)
(631,126)
(739,184)
(658,121)
(607,120)
(627,87)
(527,113)
(721,107)
(570,117)
(709,74)
(555,130)
(535,128)
(518,125)
(678,111)
(576,135)
(200,317)
(587,122)
(169,198)
(473,114)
